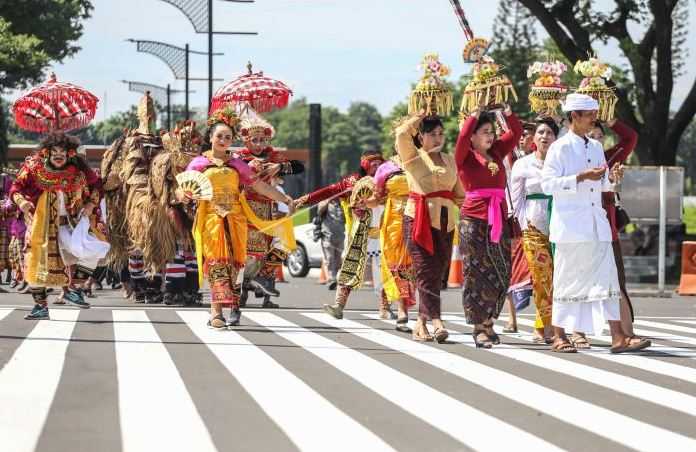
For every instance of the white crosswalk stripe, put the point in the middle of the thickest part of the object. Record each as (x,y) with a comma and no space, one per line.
(28,382)
(157,409)
(152,397)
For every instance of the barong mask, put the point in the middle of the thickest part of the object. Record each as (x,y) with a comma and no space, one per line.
(59,150)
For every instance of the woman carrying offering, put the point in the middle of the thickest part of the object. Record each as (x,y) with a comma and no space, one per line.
(484,239)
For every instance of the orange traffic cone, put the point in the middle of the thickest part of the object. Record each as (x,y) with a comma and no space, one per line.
(323,277)
(280,277)
(687,283)
(456,278)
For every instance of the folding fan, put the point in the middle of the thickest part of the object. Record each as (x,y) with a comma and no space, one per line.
(195,185)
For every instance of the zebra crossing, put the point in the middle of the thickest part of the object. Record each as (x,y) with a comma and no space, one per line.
(288,380)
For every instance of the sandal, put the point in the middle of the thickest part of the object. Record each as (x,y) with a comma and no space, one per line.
(493,336)
(402,325)
(482,343)
(419,337)
(580,342)
(563,346)
(441,335)
(632,347)
(217,323)
(509,329)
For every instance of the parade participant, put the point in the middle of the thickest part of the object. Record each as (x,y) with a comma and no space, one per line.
(532,208)
(484,232)
(17,230)
(619,153)
(264,260)
(57,192)
(363,214)
(220,225)
(397,265)
(585,282)
(332,229)
(520,290)
(5,217)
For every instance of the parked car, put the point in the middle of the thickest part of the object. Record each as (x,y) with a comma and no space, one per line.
(308,253)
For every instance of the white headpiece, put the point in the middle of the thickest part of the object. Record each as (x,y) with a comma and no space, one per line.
(253,125)
(580,102)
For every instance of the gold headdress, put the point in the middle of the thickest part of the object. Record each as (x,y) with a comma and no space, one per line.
(487,87)
(183,143)
(253,125)
(548,91)
(147,115)
(225,115)
(594,85)
(431,93)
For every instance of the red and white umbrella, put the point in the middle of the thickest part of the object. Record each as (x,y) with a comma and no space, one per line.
(262,93)
(55,106)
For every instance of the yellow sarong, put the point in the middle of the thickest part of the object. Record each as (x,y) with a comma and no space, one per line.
(395,258)
(537,250)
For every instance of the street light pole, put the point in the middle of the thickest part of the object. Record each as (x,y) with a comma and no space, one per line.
(210,52)
(169,107)
(187,82)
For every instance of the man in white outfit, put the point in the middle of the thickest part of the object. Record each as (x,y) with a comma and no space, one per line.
(585,282)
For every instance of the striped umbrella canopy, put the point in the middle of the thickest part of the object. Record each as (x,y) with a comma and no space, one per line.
(262,93)
(55,106)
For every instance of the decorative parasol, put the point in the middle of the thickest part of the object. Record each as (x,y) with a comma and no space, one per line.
(55,106)
(475,48)
(262,93)
(548,91)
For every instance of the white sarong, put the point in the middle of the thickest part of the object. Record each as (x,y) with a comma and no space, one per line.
(585,287)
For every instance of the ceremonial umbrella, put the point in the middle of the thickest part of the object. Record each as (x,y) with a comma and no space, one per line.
(55,106)
(261,93)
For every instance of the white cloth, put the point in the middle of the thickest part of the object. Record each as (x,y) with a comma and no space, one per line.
(578,215)
(526,180)
(585,286)
(580,102)
(78,246)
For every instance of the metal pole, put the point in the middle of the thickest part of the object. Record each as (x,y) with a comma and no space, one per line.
(187,82)
(169,107)
(662,246)
(210,52)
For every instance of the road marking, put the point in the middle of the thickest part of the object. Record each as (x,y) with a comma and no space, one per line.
(408,393)
(666,326)
(646,363)
(156,411)
(29,380)
(601,421)
(627,385)
(5,312)
(282,395)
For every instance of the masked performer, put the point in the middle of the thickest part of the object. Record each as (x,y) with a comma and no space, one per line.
(58,193)
(220,226)
(263,259)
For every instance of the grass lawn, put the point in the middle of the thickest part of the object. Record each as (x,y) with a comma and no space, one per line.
(690,219)
(302,217)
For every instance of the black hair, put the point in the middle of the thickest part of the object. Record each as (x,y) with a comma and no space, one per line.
(548,121)
(61,140)
(367,153)
(484,118)
(598,125)
(427,125)
(207,141)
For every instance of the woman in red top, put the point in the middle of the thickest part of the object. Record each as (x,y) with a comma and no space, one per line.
(628,139)
(484,238)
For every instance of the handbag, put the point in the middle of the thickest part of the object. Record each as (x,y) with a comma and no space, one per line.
(513,222)
(622,217)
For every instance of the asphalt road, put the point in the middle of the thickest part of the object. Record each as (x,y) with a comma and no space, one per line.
(125,377)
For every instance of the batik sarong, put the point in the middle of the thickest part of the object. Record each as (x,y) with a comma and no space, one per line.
(537,249)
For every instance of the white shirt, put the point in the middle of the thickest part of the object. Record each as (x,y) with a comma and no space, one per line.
(526,180)
(578,215)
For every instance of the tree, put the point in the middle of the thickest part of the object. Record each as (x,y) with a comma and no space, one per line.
(516,47)
(575,25)
(686,156)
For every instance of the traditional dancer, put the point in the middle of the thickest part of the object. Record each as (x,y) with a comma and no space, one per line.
(397,264)
(628,139)
(484,234)
(363,215)
(17,229)
(263,259)
(220,225)
(533,210)
(5,216)
(585,282)
(56,190)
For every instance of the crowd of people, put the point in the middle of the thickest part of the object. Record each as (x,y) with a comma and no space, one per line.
(532,206)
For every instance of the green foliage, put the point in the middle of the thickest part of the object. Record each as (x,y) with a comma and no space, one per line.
(686,157)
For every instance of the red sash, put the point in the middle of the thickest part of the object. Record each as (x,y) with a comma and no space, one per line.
(421,221)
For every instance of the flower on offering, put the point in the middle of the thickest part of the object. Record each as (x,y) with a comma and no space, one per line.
(596,75)
(548,90)
(488,87)
(431,93)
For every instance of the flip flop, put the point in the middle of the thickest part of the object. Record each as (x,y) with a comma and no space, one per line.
(441,335)
(640,345)
(487,343)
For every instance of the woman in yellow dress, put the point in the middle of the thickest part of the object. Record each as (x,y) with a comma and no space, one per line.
(220,226)
(397,266)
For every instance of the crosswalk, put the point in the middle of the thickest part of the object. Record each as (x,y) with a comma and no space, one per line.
(156,379)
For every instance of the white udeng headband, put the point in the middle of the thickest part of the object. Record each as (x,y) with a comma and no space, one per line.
(580,102)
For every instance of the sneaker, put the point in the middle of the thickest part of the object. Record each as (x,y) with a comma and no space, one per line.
(235,317)
(264,285)
(268,304)
(153,298)
(217,323)
(24,288)
(40,312)
(75,298)
(334,310)
(171,299)
(332,285)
